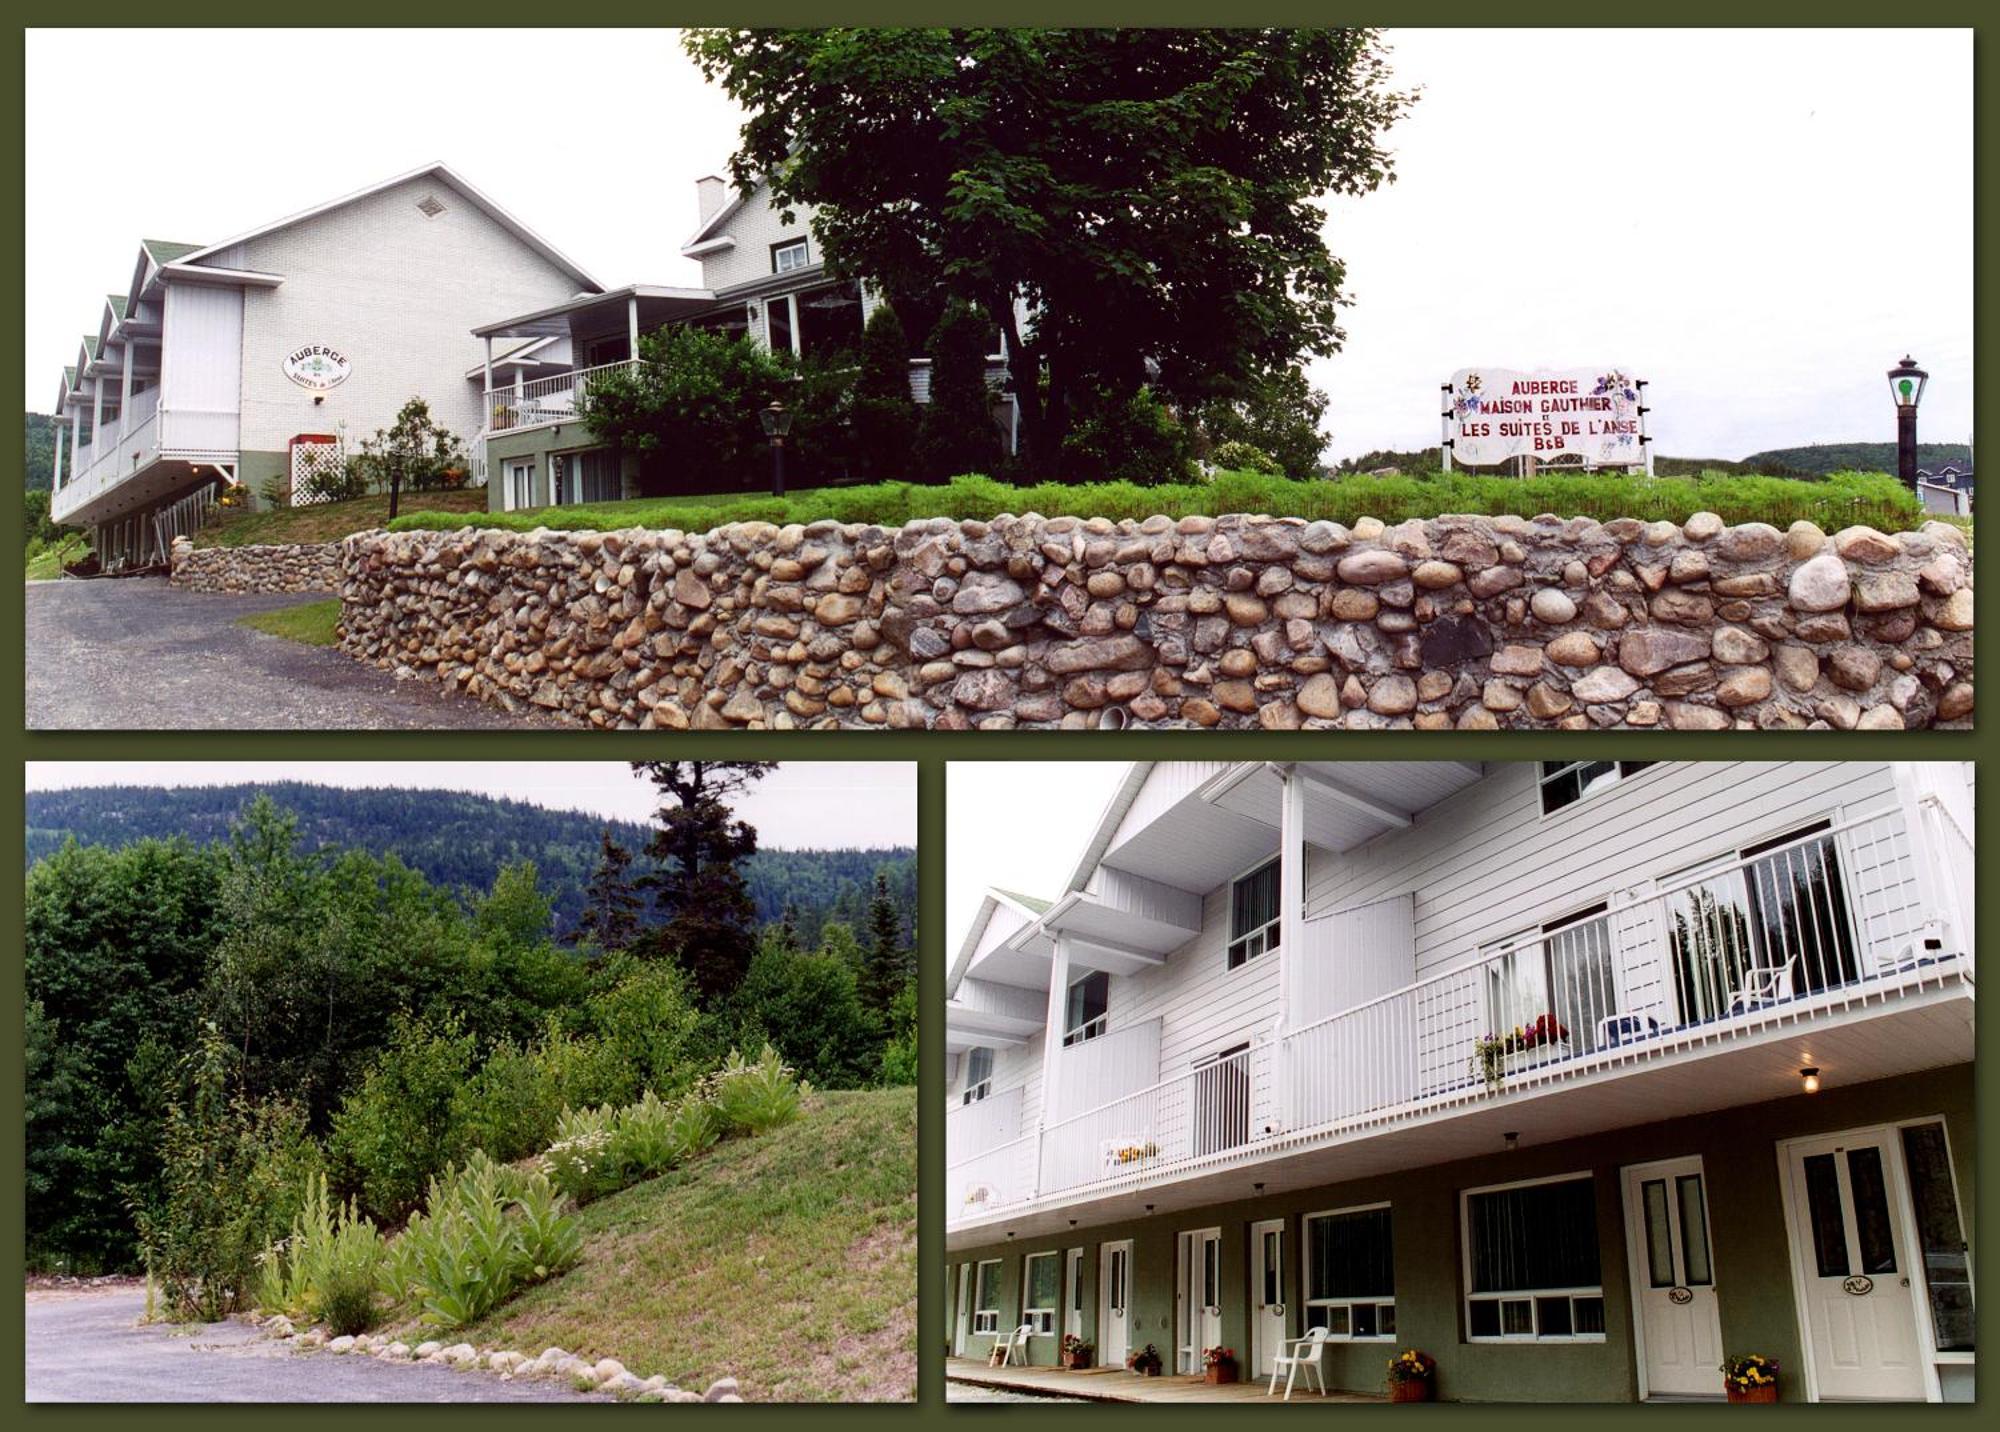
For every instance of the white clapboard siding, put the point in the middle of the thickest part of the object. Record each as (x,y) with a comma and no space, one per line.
(201,370)
(1202,1006)
(1352,956)
(1109,1067)
(1151,899)
(974,1128)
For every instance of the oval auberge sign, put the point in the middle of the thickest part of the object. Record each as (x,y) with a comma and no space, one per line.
(317,367)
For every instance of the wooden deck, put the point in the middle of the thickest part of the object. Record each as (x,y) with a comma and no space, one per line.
(1115,1384)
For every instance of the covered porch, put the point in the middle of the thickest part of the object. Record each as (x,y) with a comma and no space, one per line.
(1116,1384)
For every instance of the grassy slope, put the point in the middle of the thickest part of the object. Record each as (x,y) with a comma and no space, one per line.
(312,624)
(328,521)
(46,566)
(788,1261)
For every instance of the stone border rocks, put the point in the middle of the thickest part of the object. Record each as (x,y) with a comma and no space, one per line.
(1475,623)
(306,567)
(607,1375)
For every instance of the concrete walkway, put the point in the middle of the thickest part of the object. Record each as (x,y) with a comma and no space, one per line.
(135,653)
(89,1346)
(1115,1384)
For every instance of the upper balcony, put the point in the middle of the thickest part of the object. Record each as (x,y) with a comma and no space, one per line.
(140,456)
(1845,948)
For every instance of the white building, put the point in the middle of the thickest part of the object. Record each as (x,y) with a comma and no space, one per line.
(1576,1075)
(260,356)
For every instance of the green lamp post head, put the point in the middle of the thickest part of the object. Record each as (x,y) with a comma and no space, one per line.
(1906,383)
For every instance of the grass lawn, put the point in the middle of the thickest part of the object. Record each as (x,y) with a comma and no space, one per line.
(788,1261)
(47,565)
(313,623)
(327,521)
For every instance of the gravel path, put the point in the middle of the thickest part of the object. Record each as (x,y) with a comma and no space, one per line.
(89,1347)
(137,654)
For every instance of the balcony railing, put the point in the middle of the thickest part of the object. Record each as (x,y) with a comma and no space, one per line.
(1841,916)
(556,399)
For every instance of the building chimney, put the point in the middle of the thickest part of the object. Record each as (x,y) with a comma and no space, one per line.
(711,193)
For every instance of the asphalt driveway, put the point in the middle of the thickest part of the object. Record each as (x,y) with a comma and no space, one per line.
(138,654)
(88,1346)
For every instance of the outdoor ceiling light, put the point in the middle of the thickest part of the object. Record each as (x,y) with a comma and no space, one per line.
(1809,1079)
(1906,382)
(1513,1140)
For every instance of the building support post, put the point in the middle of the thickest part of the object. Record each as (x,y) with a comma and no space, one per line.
(1291,922)
(632,328)
(125,392)
(56,472)
(1052,1048)
(75,436)
(96,416)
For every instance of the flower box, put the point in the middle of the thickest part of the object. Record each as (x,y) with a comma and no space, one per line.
(1411,1391)
(1767,1393)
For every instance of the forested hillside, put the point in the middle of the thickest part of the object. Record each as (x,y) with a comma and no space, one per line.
(1854,457)
(461,842)
(39,459)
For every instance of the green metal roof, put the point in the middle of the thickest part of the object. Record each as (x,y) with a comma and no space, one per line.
(117,302)
(69,377)
(165,251)
(90,344)
(1028,902)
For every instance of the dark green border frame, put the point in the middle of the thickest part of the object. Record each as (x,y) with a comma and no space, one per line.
(932,749)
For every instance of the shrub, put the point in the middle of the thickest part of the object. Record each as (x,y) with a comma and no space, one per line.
(1243,457)
(885,416)
(397,1129)
(957,434)
(692,405)
(648,1143)
(484,1233)
(650,1032)
(584,1160)
(750,1098)
(1134,439)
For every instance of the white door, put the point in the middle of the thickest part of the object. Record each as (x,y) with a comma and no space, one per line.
(1114,1323)
(520,488)
(1199,1296)
(1072,1321)
(962,1323)
(1267,1294)
(1854,1267)
(1673,1278)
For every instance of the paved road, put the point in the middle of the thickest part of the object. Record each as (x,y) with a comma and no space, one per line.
(137,654)
(89,1347)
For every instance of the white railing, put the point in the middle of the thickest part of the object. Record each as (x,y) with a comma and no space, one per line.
(1832,920)
(105,462)
(996,1178)
(555,399)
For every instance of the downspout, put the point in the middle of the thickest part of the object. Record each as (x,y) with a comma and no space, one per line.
(486,430)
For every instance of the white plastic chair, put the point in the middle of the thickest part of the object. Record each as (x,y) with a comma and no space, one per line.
(1763,985)
(1296,1355)
(1014,1352)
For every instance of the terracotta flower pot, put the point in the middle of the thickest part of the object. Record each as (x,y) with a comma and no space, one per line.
(1411,1390)
(1221,1372)
(1765,1392)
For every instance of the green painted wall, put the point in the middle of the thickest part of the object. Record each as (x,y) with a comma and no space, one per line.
(540,443)
(1746,1217)
(257,469)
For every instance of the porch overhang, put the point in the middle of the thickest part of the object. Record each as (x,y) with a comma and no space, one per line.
(589,312)
(157,481)
(1930,1027)
(968,1028)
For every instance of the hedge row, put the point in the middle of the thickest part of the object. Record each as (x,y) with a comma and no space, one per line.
(1841,500)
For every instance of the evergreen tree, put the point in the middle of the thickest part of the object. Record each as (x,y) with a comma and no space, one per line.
(612,902)
(958,435)
(885,416)
(886,968)
(708,924)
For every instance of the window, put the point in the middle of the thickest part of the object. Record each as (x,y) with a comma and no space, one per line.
(1041,1286)
(1940,1235)
(1253,914)
(978,1074)
(829,320)
(1567,782)
(1559,974)
(1351,1273)
(1076,1286)
(986,1298)
(779,325)
(1531,1262)
(520,484)
(789,255)
(595,476)
(1084,1013)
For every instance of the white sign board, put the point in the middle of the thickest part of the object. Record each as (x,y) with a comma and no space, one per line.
(317,367)
(1590,414)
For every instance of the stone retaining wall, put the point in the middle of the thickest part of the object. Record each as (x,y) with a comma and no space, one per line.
(313,567)
(1470,622)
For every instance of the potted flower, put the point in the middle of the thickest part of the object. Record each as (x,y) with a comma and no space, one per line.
(1490,1052)
(1412,1376)
(1218,1364)
(1145,1362)
(1750,1378)
(1075,1352)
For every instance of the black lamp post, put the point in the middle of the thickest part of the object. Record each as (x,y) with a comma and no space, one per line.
(777,421)
(1906,386)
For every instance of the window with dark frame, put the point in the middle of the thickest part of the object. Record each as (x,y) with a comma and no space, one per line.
(1532,1263)
(1086,1007)
(789,256)
(1253,914)
(1351,1273)
(1564,783)
(978,1074)
(1041,1288)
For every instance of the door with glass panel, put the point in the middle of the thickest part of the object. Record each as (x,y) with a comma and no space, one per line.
(1198,1296)
(1267,1293)
(1073,1293)
(1114,1323)
(1673,1278)
(1853,1244)
(962,1322)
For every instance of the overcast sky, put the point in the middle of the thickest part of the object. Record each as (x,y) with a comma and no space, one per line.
(801,805)
(1018,825)
(1758,222)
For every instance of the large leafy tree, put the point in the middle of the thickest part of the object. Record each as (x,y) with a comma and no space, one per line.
(707,923)
(1144,196)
